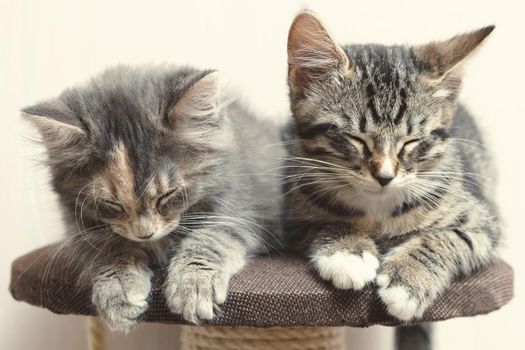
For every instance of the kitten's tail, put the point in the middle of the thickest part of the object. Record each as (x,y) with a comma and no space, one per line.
(418,337)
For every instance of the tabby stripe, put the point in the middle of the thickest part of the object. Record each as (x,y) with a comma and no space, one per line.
(200,266)
(462,219)
(402,107)
(421,259)
(208,254)
(240,237)
(320,151)
(339,146)
(422,149)
(430,258)
(409,127)
(425,246)
(434,156)
(314,130)
(405,207)
(464,237)
(431,199)
(442,133)
(362,124)
(371,93)
(323,152)
(326,202)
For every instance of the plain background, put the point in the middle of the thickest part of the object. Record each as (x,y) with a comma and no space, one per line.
(46,46)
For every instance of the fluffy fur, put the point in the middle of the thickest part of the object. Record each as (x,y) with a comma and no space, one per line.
(386,166)
(153,169)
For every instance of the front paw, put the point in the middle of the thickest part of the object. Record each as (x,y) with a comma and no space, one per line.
(406,289)
(345,270)
(194,291)
(121,297)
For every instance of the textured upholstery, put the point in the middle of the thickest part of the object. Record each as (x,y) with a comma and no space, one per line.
(270,291)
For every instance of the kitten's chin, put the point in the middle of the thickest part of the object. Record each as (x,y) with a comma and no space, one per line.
(372,192)
(157,236)
(153,238)
(383,194)
(378,193)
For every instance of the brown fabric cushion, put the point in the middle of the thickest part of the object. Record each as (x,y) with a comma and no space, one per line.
(269,291)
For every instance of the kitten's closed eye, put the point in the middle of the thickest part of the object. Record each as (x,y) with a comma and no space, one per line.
(109,208)
(408,146)
(172,197)
(362,143)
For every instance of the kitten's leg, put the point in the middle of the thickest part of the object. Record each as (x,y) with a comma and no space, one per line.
(413,274)
(120,291)
(349,260)
(200,271)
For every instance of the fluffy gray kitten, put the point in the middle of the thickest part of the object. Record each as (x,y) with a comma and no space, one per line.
(386,174)
(153,167)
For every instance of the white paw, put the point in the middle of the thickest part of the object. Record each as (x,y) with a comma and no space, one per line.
(122,298)
(399,302)
(347,271)
(195,293)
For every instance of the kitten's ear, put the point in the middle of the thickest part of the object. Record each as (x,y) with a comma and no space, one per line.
(200,101)
(312,52)
(57,124)
(440,58)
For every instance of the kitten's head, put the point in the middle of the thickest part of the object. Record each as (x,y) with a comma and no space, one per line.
(134,148)
(381,112)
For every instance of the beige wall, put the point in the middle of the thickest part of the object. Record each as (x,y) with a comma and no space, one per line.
(48,45)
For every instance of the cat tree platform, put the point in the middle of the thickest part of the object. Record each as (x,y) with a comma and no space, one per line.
(275,291)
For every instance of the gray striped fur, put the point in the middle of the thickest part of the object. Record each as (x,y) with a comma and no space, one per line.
(155,167)
(379,150)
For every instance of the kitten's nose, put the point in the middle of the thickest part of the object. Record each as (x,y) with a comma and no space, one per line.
(384,171)
(383,180)
(144,227)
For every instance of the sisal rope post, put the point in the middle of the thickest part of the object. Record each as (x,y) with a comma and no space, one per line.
(96,334)
(248,338)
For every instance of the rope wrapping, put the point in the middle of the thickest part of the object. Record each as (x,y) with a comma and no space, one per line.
(248,338)
(96,334)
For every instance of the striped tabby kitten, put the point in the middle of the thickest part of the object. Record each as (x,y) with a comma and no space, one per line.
(152,170)
(386,167)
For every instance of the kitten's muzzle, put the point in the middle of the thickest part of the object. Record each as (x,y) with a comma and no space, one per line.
(144,237)
(384,169)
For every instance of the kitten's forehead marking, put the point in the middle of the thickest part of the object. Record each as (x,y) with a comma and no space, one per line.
(121,178)
(163,181)
(158,184)
(152,187)
(386,77)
